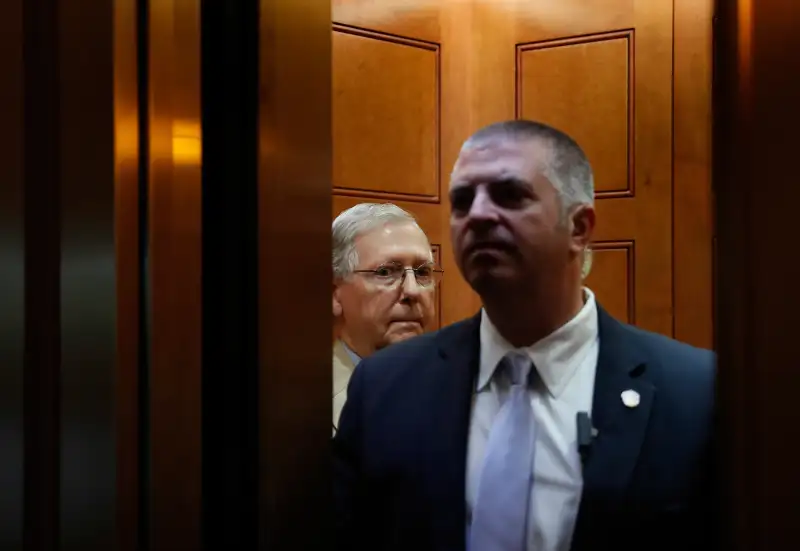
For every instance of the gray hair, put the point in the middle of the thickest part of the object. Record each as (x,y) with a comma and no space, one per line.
(567,167)
(356,221)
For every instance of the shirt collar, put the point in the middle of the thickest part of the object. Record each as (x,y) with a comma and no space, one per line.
(552,356)
(353,356)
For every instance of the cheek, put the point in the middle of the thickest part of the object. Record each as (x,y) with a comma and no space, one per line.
(539,227)
(555,215)
(455,232)
(380,307)
(428,300)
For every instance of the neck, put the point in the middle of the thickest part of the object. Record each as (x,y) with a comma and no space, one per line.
(360,350)
(524,319)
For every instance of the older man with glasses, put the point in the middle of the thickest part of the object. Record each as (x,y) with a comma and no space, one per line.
(384,279)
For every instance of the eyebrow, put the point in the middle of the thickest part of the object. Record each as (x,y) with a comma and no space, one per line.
(416,263)
(511,180)
(458,186)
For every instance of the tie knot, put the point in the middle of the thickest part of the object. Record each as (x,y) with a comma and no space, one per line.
(518,366)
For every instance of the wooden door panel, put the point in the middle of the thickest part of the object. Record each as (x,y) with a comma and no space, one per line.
(612,276)
(559,84)
(606,80)
(390,143)
(602,73)
(385,122)
(420,19)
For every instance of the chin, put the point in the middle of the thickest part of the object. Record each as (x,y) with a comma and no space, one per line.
(399,335)
(490,279)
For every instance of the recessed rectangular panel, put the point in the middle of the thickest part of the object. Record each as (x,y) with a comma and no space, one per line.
(611,279)
(385,115)
(583,87)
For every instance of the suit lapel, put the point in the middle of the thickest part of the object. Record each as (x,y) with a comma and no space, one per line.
(621,367)
(453,381)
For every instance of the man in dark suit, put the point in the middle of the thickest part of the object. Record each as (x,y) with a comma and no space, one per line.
(542,423)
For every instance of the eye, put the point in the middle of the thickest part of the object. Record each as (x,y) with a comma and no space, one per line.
(508,194)
(424,271)
(385,271)
(461,199)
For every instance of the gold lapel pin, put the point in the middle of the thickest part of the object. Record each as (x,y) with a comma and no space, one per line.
(630,398)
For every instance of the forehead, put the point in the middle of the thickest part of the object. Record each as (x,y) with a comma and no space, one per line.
(393,242)
(498,159)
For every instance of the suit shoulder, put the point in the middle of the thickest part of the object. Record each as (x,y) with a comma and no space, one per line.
(412,348)
(409,354)
(670,349)
(679,362)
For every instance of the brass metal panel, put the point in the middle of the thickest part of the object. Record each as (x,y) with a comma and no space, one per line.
(174,261)
(58,191)
(127,209)
(295,273)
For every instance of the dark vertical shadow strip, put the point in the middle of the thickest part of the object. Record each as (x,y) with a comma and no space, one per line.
(145,313)
(229,54)
(12,276)
(42,196)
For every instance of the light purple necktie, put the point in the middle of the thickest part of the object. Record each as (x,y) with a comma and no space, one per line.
(500,513)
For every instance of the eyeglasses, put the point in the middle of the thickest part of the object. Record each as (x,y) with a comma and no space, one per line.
(390,275)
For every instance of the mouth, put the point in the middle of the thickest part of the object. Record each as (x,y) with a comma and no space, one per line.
(407,322)
(489,246)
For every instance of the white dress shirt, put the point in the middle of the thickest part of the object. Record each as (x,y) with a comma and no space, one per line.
(565,361)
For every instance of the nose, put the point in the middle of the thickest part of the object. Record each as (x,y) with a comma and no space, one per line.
(482,208)
(411,289)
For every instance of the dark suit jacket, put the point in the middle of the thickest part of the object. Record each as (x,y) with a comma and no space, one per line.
(400,452)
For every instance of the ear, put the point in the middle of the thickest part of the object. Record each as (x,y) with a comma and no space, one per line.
(337,304)
(582,221)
